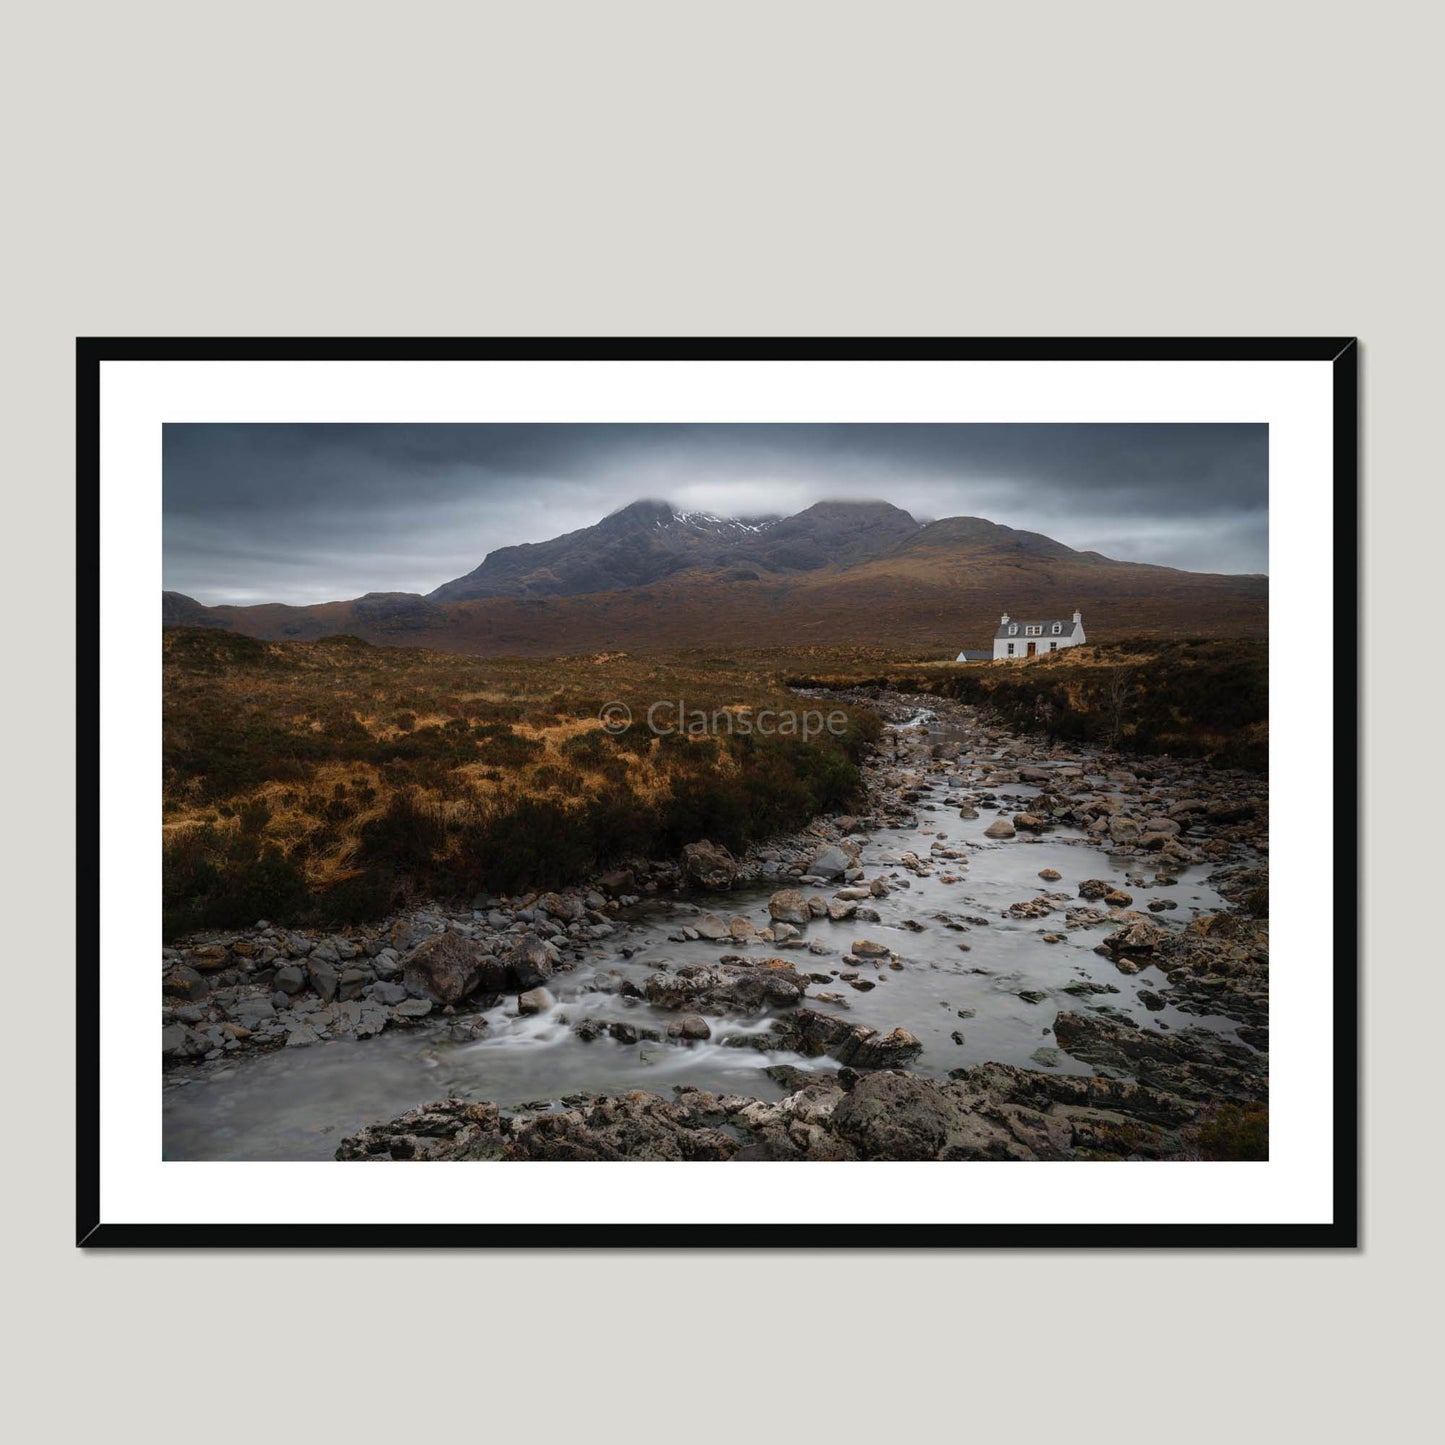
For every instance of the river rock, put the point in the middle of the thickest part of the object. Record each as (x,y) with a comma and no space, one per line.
(830,862)
(290,980)
(735,987)
(866,1048)
(789,906)
(1192,1063)
(323,978)
(1140,937)
(354,979)
(999,828)
(209,957)
(254,1010)
(182,981)
(444,967)
(179,1041)
(526,965)
(535,1001)
(692,1027)
(1095,888)
(711,927)
(867,948)
(899,1116)
(709,865)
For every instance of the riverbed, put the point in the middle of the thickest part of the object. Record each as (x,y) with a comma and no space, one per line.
(974,984)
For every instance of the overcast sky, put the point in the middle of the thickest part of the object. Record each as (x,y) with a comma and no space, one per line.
(314,513)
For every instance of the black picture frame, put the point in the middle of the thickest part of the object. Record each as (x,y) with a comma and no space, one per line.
(1342,353)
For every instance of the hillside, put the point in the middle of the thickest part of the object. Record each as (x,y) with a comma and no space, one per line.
(330,780)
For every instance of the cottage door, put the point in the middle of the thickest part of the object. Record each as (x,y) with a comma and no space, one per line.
(1033,648)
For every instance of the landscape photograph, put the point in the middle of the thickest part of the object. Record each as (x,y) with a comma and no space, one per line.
(717,792)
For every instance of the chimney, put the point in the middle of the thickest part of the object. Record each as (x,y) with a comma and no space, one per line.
(1078,616)
(1005,617)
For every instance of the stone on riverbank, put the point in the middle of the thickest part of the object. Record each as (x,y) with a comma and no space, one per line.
(524,966)
(831,862)
(993,1112)
(709,865)
(445,967)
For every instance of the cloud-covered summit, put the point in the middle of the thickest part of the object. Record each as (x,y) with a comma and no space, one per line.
(308,513)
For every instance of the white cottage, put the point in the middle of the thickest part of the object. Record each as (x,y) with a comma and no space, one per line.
(1026,639)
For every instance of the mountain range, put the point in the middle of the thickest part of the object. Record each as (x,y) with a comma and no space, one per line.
(650,577)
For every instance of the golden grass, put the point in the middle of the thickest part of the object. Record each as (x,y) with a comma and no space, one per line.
(318,740)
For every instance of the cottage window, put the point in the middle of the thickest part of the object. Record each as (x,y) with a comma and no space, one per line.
(1013,628)
(1053,647)
(1010,649)
(1033,631)
(1058,627)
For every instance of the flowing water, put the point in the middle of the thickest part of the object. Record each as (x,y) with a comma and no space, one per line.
(299,1103)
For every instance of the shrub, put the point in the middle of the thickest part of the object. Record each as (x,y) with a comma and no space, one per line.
(502,748)
(406,836)
(1235,1133)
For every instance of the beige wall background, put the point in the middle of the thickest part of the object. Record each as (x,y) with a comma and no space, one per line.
(750,169)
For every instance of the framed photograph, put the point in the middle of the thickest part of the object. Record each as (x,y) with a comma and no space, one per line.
(718,792)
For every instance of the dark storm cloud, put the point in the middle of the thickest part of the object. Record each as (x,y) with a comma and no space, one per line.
(314,513)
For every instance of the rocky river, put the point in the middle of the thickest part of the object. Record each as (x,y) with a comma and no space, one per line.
(1015,950)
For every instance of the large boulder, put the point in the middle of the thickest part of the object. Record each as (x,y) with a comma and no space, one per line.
(446,967)
(898,1116)
(789,906)
(709,865)
(1000,828)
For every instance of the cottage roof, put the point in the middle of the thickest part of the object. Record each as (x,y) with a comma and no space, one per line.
(1018,627)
